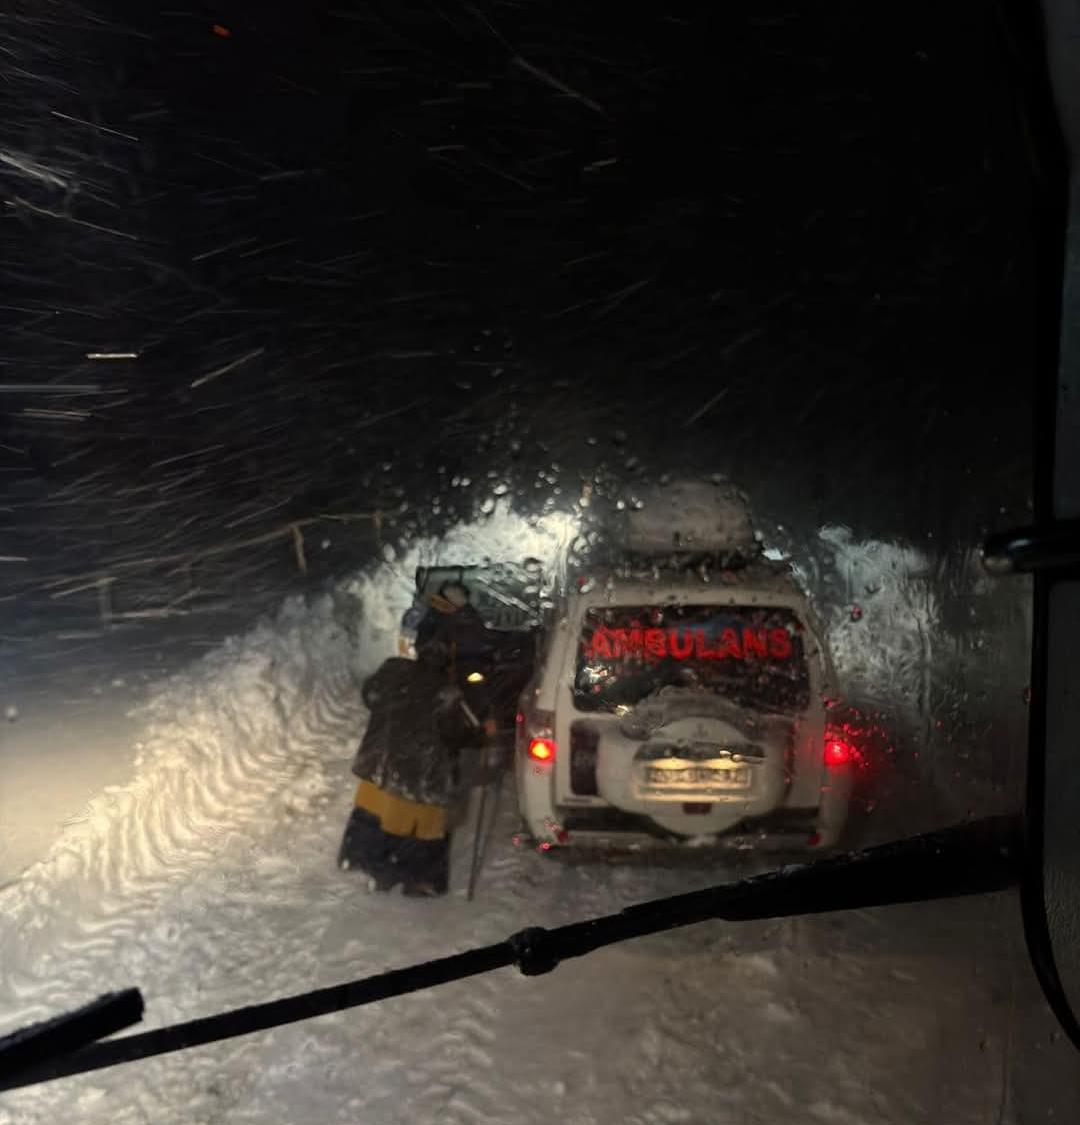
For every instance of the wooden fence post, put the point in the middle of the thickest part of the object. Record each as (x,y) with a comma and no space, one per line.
(298,546)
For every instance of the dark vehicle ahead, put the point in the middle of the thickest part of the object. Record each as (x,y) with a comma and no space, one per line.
(493,662)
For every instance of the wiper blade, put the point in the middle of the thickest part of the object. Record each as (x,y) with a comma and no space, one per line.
(974,858)
(68,1032)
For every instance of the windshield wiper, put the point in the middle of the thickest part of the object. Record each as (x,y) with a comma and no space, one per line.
(66,1033)
(974,858)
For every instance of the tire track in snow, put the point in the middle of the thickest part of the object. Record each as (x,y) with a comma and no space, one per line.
(456,1085)
(240,741)
(184,950)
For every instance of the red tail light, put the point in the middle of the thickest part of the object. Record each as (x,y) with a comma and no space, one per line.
(839,752)
(542,750)
(536,735)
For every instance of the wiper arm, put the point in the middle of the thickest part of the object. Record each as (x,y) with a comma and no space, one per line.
(974,858)
(66,1033)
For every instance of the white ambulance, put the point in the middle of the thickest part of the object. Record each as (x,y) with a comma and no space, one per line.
(678,702)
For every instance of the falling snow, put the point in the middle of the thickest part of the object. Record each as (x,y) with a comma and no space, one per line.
(299,298)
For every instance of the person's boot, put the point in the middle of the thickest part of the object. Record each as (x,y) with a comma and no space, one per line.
(422,890)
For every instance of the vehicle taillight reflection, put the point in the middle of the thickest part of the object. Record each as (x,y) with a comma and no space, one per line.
(839,752)
(542,750)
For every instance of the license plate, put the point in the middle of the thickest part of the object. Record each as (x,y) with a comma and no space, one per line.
(700,777)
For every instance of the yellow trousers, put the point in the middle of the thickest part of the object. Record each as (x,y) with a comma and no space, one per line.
(400,817)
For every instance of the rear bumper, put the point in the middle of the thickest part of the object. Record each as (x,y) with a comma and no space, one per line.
(609,829)
(785,827)
(630,843)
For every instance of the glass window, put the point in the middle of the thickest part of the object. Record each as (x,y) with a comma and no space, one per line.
(750,655)
(305,301)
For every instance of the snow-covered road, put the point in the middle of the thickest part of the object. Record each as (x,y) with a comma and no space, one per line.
(208,880)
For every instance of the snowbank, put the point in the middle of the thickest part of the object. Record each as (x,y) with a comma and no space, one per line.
(923,642)
(882,614)
(234,748)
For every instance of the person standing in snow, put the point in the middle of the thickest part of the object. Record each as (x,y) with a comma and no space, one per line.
(397,831)
(477,653)
(455,621)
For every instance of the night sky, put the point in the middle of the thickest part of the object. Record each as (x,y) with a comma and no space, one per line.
(361,250)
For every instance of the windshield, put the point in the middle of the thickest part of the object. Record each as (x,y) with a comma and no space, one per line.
(505,596)
(751,655)
(313,310)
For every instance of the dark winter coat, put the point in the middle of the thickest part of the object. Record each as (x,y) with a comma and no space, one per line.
(464,632)
(416,723)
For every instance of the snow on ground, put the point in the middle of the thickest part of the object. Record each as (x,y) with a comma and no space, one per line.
(209,880)
(40,789)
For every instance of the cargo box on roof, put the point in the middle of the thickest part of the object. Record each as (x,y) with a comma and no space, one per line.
(693,516)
